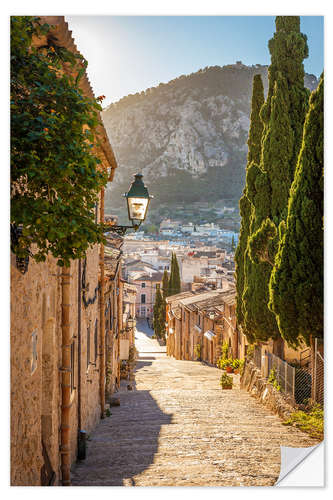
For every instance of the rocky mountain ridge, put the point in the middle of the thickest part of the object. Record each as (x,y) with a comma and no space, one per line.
(188,136)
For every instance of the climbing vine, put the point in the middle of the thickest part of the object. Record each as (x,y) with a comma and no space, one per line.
(55,174)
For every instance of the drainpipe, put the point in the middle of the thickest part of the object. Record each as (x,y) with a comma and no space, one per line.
(120,320)
(65,378)
(81,448)
(79,347)
(102,316)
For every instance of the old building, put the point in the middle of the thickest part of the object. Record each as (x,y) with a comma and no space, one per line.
(199,322)
(146,286)
(58,354)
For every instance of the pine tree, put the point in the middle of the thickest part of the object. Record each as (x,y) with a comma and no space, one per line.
(245,206)
(296,286)
(159,321)
(283,116)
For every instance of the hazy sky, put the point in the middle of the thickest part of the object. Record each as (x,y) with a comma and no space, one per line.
(130,54)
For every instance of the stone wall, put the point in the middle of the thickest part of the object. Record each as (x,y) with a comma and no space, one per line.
(35,370)
(258,387)
(35,309)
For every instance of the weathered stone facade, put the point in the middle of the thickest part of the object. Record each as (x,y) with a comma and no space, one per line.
(206,319)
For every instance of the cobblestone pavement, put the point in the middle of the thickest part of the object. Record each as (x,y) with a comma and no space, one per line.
(178,428)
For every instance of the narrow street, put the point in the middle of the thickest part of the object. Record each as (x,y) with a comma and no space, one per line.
(178,428)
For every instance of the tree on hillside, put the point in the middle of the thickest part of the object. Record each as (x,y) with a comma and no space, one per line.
(283,116)
(159,319)
(245,206)
(174,280)
(296,286)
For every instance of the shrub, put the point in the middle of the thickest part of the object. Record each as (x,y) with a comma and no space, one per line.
(223,363)
(273,380)
(226,380)
(311,421)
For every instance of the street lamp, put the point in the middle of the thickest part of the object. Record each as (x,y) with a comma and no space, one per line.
(131,323)
(138,200)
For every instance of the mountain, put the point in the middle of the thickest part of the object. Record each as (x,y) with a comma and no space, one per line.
(188,136)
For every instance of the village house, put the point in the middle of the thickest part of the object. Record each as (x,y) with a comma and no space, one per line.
(206,319)
(59,331)
(146,285)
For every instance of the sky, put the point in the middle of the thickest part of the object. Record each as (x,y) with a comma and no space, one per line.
(128,54)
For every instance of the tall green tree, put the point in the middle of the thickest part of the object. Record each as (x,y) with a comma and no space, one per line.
(165,284)
(55,174)
(233,246)
(245,206)
(296,285)
(159,320)
(165,288)
(174,280)
(283,116)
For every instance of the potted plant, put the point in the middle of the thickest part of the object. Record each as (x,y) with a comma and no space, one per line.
(238,365)
(226,364)
(229,368)
(226,381)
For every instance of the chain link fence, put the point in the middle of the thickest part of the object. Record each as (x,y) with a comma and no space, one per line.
(303,383)
(282,372)
(257,356)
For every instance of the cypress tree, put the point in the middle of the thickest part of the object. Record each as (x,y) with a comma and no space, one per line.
(283,116)
(159,321)
(174,280)
(296,286)
(165,284)
(171,278)
(245,206)
(233,247)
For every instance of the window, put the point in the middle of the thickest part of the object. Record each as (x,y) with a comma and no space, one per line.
(143,311)
(184,315)
(199,320)
(143,285)
(72,366)
(96,339)
(88,346)
(143,298)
